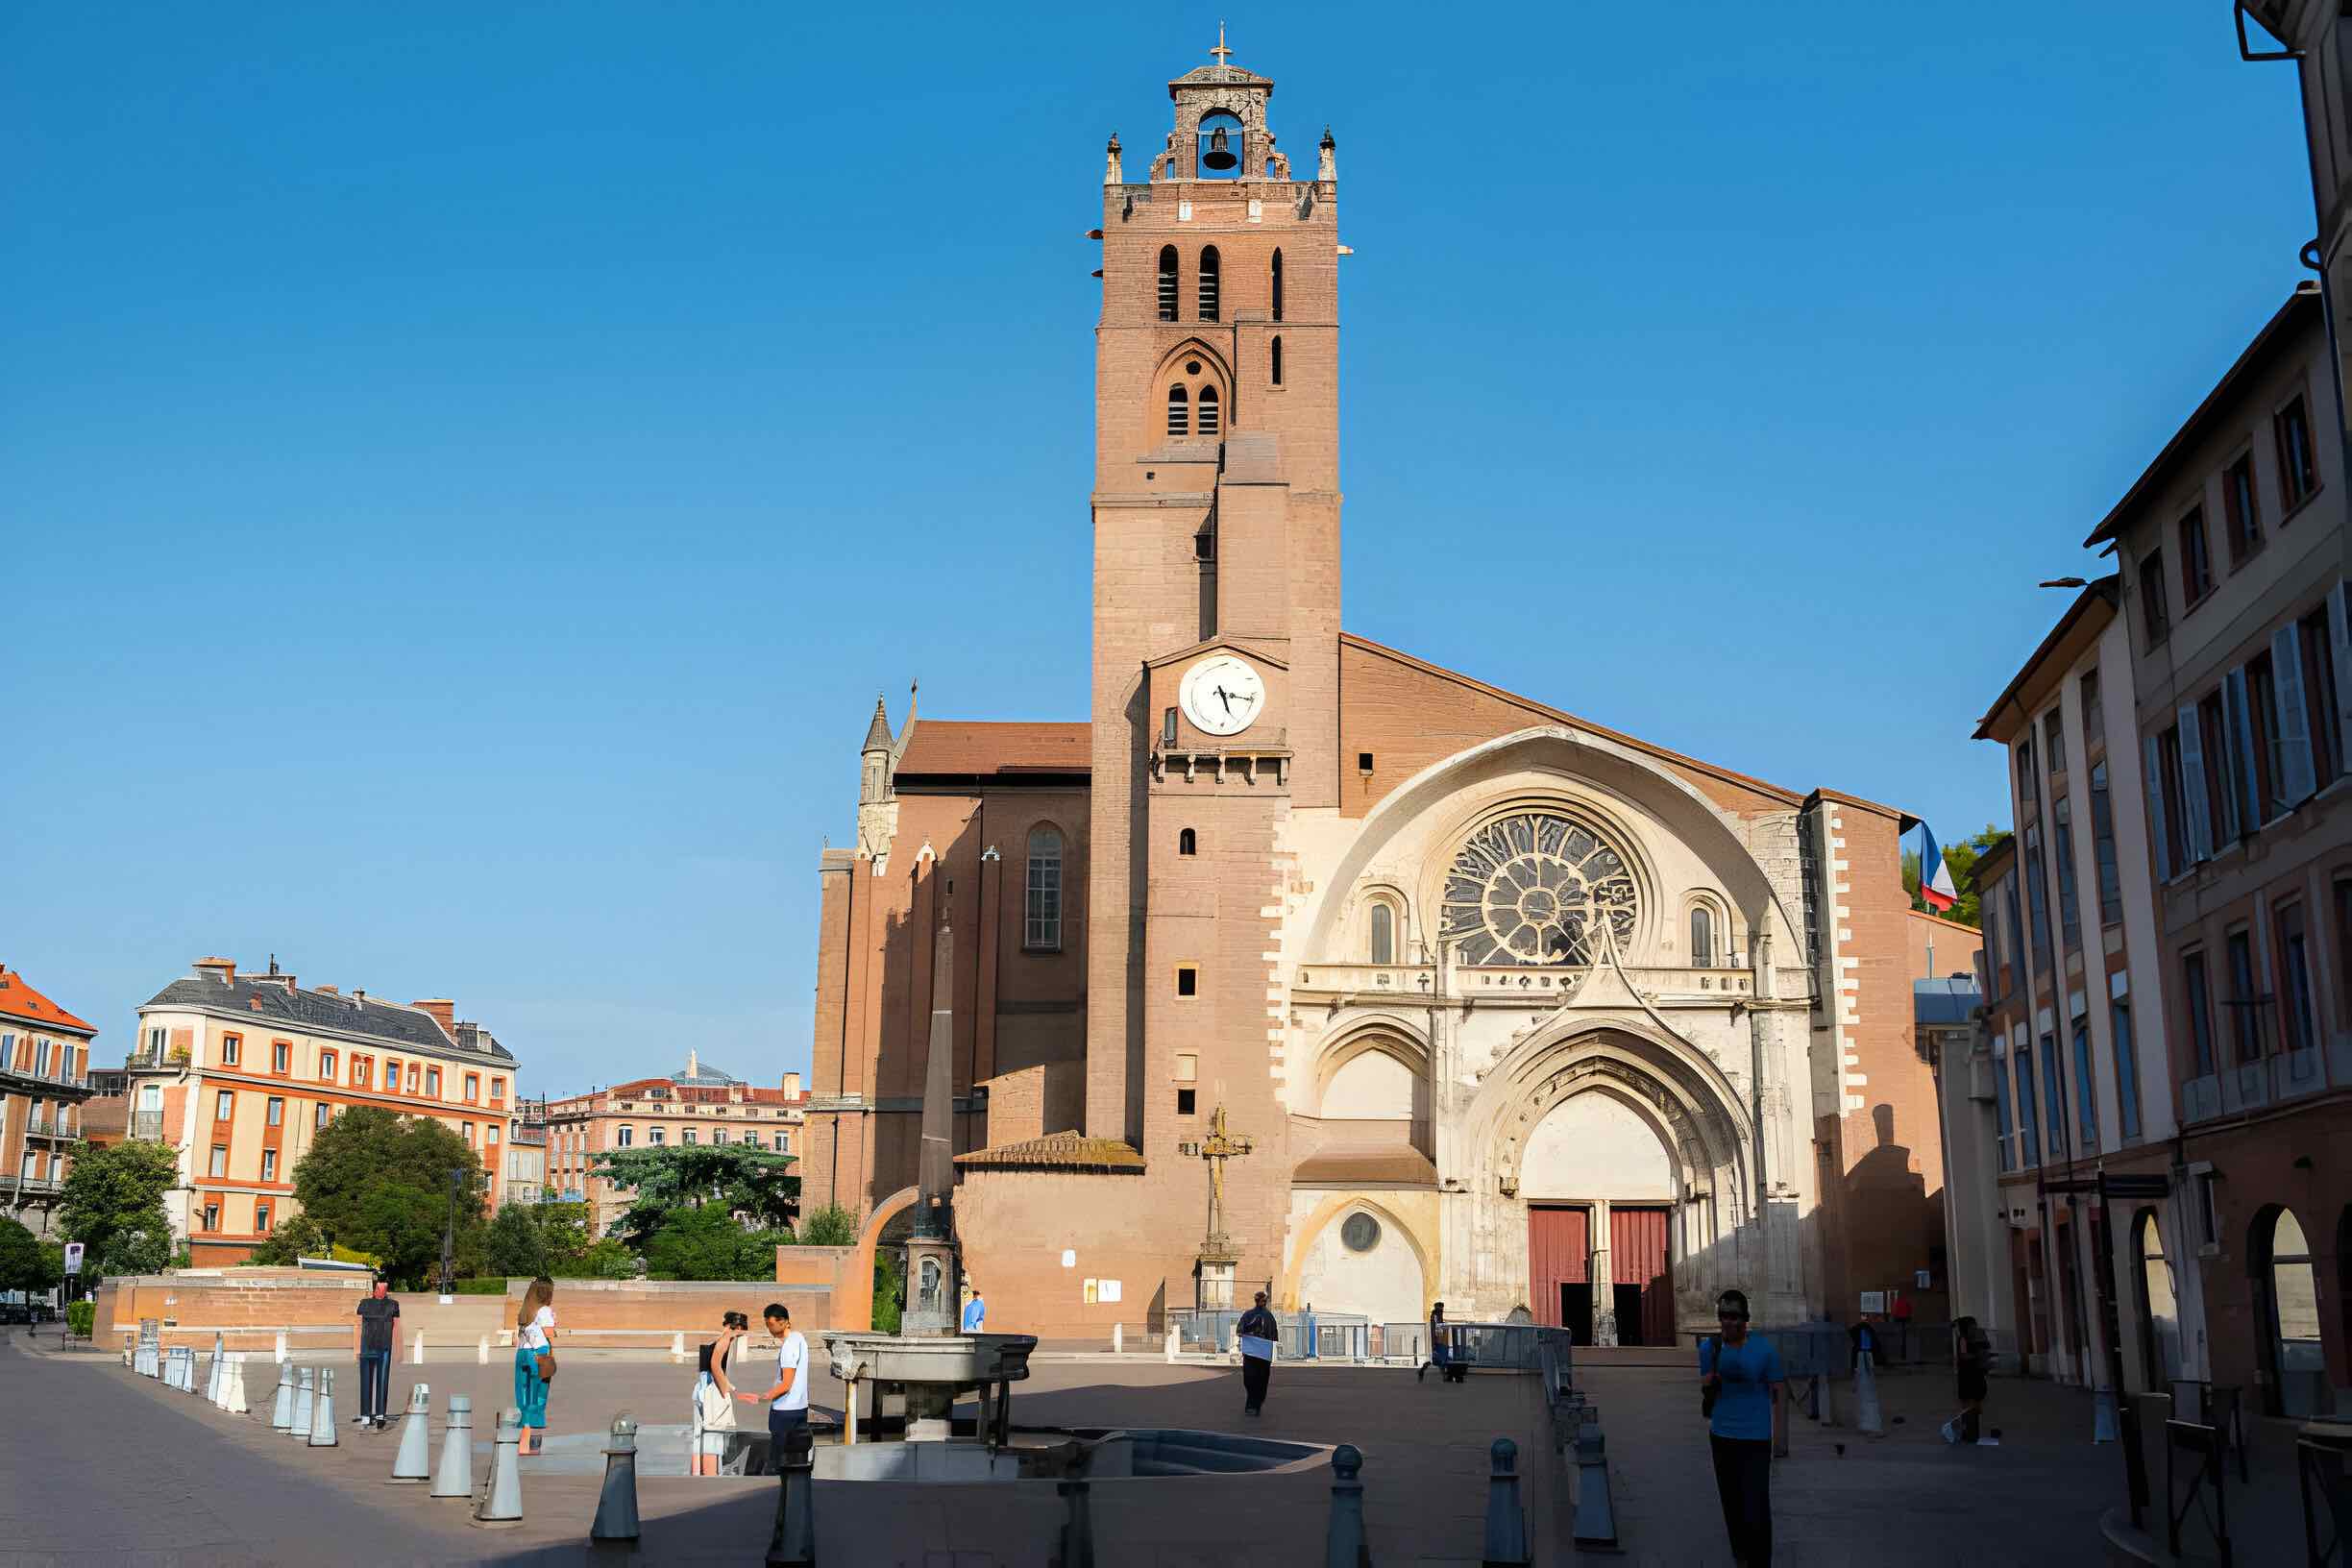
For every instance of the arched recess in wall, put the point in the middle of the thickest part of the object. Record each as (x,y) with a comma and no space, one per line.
(1382,930)
(1186,375)
(1372,1087)
(1369,1280)
(1705,931)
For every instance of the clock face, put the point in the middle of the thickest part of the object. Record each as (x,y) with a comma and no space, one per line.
(1221,695)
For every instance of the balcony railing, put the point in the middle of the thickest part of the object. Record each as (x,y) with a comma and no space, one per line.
(147,1125)
(46,1080)
(50,1127)
(29,1186)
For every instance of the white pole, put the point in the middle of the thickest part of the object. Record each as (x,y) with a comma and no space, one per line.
(416,1348)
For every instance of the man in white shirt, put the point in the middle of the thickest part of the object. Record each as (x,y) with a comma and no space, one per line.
(789,1399)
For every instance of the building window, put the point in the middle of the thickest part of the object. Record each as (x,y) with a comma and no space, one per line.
(2062,836)
(2245,522)
(1188,980)
(2085,1089)
(2029,789)
(2127,1069)
(281,1057)
(2095,713)
(1208,282)
(1186,1101)
(223,1104)
(1180,413)
(2343,950)
(1208,424)
(467,1128)
(719,1135)
(2172,826)
(1275,270)
(2001,1106)
(498,1089)
(211,1217)
(473,1087)
(2216,768)
(363,1071)
(2245,1020)
(277,1112)
(2323,723)
(1703,938)
(323,1112)
(392,1077)
(326,1067)
(231,1047)
(658,1135)
(1187,843)
(2037,900)
(1042,899)
(2103,847)
(1274,362)
(269,1165)
(2159,1315)
(624,1137)
(412,1077)
(1384,934)
(2053,1097)
(780,1145)
(2295,1001)
(2195,561)
(220,1161)
(2288,1288)
(432,1083)
(2298,468)
(261,1224)
(2199,993)
(2053,742)
(2154,621)
(2028,1122)
(1167,282)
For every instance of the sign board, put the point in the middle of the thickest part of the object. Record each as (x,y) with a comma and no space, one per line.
(1106,1290)
(1923,1279)
(73,1257)
(1069,1258)
(1088,1286)
(1874,1301)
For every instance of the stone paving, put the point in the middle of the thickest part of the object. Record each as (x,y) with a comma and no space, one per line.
(111,1468)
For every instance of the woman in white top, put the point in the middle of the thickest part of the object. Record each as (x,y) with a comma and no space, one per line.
(534,1342)
(714,1396)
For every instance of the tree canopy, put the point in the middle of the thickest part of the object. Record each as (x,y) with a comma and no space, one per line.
(740,1179)
(379,1183)
(1960,859)
(528,1240)
(26,1262)
(113,1205)
(706,1243)
(832,1226)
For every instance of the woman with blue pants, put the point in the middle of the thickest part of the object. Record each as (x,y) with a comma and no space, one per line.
(534,1330)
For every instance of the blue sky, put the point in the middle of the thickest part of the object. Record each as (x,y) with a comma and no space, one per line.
(466,471)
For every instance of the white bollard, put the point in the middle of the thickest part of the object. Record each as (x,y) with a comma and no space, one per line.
(414,1461)
(306,1395)
(416,1348)
(321,1414)
(1169,1339)
(281,1348)
(482,1352)
(1867,1420)
(454,1477)
(232,1386)
(501,1502)
(1118,1339)
(212,1374)
(282,1405)
(678,1348)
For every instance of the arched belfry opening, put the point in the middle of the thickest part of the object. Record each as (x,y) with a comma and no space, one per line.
(1221,145)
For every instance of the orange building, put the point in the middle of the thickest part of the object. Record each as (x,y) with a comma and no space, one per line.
(44,1079)
(238,1072)
(696,1104)
(1511,1010)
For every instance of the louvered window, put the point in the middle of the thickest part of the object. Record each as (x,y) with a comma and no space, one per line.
(1208,410)
(1167,282)
(1209,283)
(1180,413)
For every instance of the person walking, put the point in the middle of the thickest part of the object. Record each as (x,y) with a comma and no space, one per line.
(1258,1331)
(1740,1379)
(975,1311)
(1902,1325)
(714,1396)
(373,1336)
(534,1361)
(1441,1349)
(1972,1363)
(788,1402)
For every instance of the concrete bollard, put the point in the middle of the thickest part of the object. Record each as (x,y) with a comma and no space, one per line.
(1118,1339)
(616,1515)
(1867,1420)
(455,1475)
(1595,1511)
(482,1352)
(792,1544)
(282,1406)
(414,1461)
(321,1414)
(1343,1542)
(1169,1341)
(212,1374)
(1506,1532)
(281,1348)
(2103,1417)
(502,1501)
(306,1392)
(416,1348)
(1076,1549)
(677,1349)
(233,1386)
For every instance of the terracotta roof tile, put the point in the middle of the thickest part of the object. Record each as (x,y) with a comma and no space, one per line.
(1055,1151)
(1407,1168)
(18,1000)
(957,747)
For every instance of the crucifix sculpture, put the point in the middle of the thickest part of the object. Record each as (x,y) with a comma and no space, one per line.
(1218,1255)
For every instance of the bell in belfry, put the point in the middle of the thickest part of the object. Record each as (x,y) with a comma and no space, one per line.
(1220,155)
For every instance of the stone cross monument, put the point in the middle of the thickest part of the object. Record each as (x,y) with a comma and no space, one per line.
(1218,1254)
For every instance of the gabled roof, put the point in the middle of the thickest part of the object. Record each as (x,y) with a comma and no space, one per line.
(267,999)
(967,748)
(18,1000)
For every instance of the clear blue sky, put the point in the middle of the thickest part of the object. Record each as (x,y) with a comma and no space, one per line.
(466,471)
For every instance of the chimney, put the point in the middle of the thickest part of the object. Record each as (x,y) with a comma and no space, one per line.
(223,970)
(358,996)
(443,1009)
(329,991)
(693,1063)
(792,1086)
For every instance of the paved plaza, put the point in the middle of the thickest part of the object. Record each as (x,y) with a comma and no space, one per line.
(100,1466)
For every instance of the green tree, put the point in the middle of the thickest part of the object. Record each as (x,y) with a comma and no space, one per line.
(889,1290)
(381,1182)
(832,1226)
(22,1266)
(1960,859)
(528,1240)
(113,1205)
(707,1243)
(608,1259)
(288,1243)
(739,1179)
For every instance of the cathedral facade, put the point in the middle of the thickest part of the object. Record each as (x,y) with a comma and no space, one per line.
(1509,1010)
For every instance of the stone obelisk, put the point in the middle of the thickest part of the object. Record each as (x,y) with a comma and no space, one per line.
(933,1288)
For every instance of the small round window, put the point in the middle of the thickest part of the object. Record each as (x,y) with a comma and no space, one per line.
(1359,1233)
(1192,367)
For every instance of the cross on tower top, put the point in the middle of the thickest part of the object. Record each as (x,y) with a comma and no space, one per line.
(1220,53)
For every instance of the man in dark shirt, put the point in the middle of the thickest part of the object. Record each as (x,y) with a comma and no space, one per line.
(1257,1324)
(373,1336)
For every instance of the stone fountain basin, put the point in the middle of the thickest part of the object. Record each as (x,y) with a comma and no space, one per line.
(961,1360)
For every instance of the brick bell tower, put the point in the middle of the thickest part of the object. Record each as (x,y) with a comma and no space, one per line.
(1216,625)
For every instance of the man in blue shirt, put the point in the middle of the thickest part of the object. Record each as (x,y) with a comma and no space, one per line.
(1741,1378)
(975,1311)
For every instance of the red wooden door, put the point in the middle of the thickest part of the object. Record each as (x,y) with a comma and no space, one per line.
(1637,1256)
(1559,1252)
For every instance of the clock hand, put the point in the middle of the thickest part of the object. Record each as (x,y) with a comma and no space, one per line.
(1225,697)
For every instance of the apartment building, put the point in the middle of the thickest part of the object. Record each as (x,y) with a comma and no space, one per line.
(44,1079)
(239,1072)
(696,1104)
(525,1177)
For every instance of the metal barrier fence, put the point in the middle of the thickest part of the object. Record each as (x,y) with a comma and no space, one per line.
(1353,1337)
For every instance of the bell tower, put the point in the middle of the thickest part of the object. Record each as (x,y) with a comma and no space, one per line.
(1216,580)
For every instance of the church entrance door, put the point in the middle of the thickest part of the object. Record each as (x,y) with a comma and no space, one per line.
(1559,1268)
(1644,1296)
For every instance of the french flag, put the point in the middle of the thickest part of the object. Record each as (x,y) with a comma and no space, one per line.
(1935,879)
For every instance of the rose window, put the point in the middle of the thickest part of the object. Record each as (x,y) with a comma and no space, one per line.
(1532,888)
